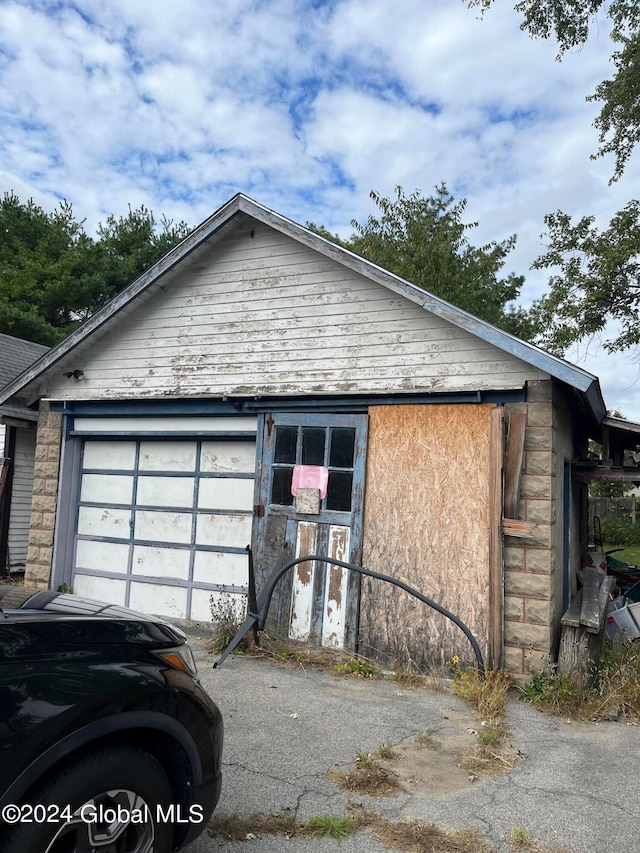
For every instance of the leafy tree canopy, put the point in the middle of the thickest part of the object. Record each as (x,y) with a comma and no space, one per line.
(424,240)
(53,275)
(596,271)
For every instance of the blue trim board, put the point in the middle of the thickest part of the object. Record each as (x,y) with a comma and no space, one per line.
(260,405)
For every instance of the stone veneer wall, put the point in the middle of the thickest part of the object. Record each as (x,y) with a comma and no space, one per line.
(45,491)
(533,567)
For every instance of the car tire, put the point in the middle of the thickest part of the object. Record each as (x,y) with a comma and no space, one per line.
(121,780)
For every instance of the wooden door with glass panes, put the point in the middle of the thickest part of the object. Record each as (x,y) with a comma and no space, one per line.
(323,602)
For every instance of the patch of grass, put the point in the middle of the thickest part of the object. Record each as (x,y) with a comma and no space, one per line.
(488,760)
(520,842)
(490,736)
(328,826)
(410,836)
(629,554)
(615,692)
(359,666)
(367,777)
(413,836)
(387,753)
(487,695)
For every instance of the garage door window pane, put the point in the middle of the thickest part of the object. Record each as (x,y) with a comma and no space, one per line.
(313,440)
(342,446)
(339,491)
(285,451)
(281,489)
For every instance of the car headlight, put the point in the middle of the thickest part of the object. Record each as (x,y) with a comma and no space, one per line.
(179,657)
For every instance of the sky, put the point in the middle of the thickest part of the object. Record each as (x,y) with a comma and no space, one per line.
(307,106)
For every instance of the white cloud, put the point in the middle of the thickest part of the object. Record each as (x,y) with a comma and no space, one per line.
(307,106)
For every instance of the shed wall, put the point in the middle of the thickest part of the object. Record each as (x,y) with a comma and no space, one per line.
(427,523)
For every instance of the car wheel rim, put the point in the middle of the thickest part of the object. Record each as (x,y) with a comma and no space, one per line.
(117,821)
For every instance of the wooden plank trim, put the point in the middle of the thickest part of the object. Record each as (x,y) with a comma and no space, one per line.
(515,527)
(572,615)
(496,565)
(590,610)
(513,470)
(603,603)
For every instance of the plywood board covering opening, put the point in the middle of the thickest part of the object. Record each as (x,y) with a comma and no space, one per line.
(427,522)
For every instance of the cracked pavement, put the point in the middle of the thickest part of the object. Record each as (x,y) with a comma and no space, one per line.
(286,728)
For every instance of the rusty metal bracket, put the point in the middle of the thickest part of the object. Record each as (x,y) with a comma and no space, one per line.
(258,610)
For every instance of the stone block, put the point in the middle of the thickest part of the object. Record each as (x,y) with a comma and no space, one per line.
(541,536)
(48,469)
(538,438)
(539,390)
(38,483)
(39,537)
(37,574)
(539,560)
(50,486)
(514,557)
(46,558)
(540,510)
(43,503)
(42,452)
(36,519)
(527,635)
(538,610)
(514,608)
(527,584)
(540,462)
(48,520)
(536,661)
(49,435)
(514,660)
(539,415)
(536,486)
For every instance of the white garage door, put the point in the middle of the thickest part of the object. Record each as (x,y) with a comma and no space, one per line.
(163,525)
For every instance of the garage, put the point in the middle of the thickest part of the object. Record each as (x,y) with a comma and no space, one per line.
(162,523)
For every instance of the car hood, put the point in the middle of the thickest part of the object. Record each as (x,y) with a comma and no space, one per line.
(63,617)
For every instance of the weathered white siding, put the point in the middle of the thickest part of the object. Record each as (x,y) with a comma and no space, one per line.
(22,490)
(259,313)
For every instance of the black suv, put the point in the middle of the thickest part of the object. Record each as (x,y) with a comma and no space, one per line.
(108,743)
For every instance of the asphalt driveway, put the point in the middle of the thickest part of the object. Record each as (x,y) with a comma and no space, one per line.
(575,786)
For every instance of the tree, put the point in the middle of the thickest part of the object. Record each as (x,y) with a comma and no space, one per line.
(424,240)
(598,279)
(598,274)
(53,275)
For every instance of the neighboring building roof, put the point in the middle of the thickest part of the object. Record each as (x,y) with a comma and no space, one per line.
(223,220)
(16,356)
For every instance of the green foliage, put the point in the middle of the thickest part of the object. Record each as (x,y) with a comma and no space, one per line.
(424,240)
(597,279)
(546,689)
(329,826)
(620,531)
(598,270)
(615,691)
(53,275)
(358,666)
(65,589)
